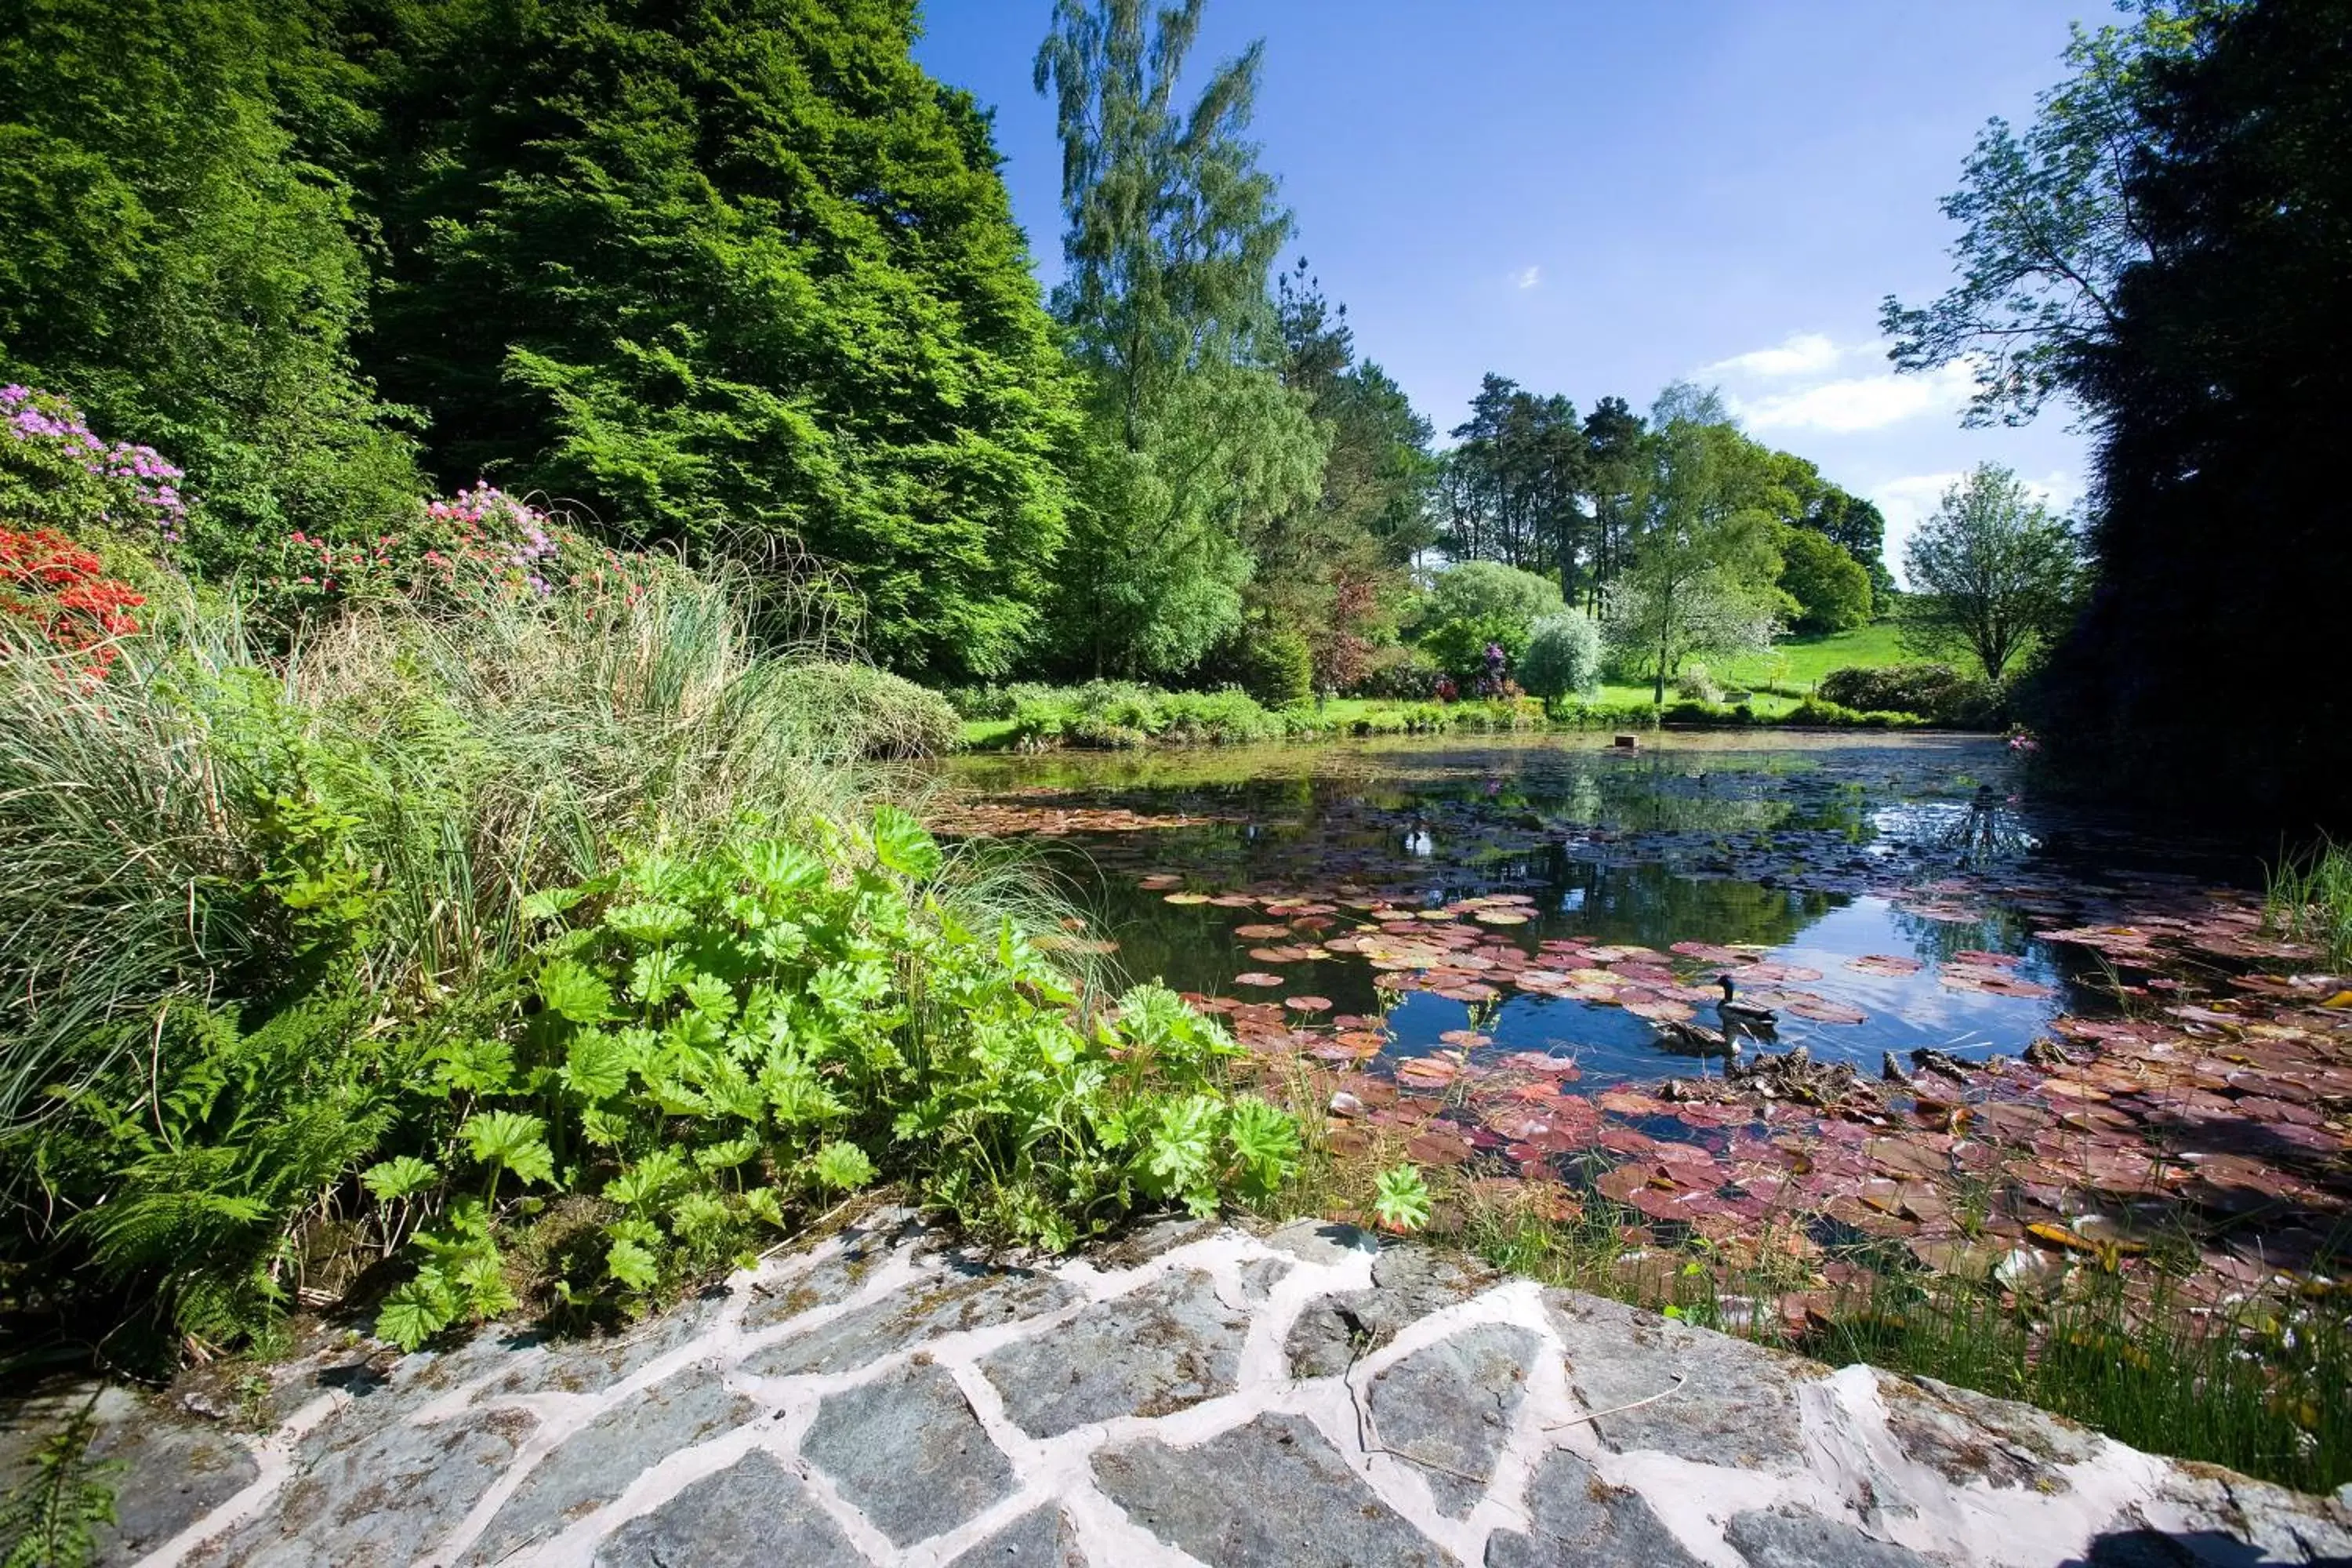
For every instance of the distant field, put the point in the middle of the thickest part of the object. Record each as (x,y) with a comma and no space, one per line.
(1798,662)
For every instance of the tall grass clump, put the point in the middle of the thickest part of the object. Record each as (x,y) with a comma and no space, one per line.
(536,948)
(2309,899)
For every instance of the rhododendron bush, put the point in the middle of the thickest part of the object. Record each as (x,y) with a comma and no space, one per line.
(481,545)
(62,595)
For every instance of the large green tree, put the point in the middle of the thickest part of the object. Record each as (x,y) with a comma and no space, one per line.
(724,270)
(1333,566)
(1993,574)
(171,259)
(2208,664)
(2049,222)
(1700,579)
(1194,444)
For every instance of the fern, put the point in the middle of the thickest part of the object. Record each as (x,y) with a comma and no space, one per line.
(242,1135)
(50,1520)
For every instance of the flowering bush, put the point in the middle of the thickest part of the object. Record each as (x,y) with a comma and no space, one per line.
(480,546)
(61,592)
(56,471)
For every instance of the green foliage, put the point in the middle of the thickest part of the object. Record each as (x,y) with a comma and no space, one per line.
(1935,692)
(750,270)
(1700,580)
(1993,574)
(1402,1199)
(1562,658)
(2309,899)
(1115,714)
(205,1161)
(49,1520)
(857,710)
(178,266)
(2220,479)
(1831,588)
(1193,445)
(1488,591)
(2048,225)
(318,1022)
(1273,663)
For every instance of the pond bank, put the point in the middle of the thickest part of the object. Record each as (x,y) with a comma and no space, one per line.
(1295,1396)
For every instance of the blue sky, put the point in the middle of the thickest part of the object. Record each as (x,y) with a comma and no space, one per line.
(1597,198)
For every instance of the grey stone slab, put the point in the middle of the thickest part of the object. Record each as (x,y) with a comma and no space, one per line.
(1272,1494)
(1042,1538)
(1323,1241)
(753,1514)
(1793,1538)
(1449,1407)
(1575,1518)
(591,1365)
(1968,1436)
(1408,1284)
(383,1501)
(965,1297)
(1737,1405)
(907,1450)
(839,1275)
(173,1473)
(2218,1519)
(1142,1243)
(596,1464)
(1169,1344)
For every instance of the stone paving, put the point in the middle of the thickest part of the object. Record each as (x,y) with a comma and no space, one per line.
(1195,1395)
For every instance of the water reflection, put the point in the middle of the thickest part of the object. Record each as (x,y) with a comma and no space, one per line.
(1810,853)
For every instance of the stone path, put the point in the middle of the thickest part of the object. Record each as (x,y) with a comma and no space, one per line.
(1197,1395)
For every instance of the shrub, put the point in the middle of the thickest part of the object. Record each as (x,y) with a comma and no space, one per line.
(54,470)
(1274,664)
(299,888)
(1120,715)
(1696,685)
(59,596)
(1935,692)
(477,547)
(1562,658)
(1399,670)
(857,710)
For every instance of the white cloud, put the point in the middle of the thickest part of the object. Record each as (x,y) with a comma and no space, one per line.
(1803,353)
(1859,402)
(1526,277)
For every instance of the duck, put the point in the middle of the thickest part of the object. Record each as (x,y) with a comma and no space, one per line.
(1737,1013)
(1697,1039)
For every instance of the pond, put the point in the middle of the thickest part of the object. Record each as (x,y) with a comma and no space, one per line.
(2007,1037)
(1815,869)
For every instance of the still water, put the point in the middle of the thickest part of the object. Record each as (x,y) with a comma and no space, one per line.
(1917,856)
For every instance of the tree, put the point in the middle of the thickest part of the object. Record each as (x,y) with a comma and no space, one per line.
(1196,443)
(1992,574)
(1562,658)
(2049,224)
(1831,588)
(169,259)
(1700,579)
(723,268)
(2206,667)
(1518,474)
(1478,602)
(1333,565)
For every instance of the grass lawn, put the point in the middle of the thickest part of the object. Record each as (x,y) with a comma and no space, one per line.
(1798,662)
